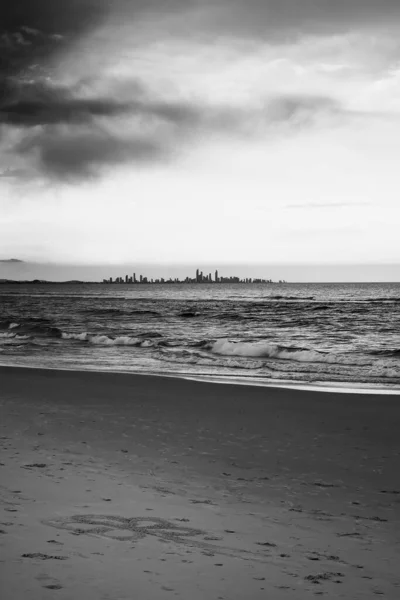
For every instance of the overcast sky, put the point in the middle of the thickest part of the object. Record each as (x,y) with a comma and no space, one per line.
(167,131)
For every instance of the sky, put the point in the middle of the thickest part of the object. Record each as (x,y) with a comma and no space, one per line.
(227,131)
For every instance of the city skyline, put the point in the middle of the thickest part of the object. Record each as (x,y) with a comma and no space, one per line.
(23,270)
(199,278)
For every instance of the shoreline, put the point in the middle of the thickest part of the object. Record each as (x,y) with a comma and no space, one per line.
(332,388)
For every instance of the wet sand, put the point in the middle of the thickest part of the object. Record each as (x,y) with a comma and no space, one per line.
(121,486)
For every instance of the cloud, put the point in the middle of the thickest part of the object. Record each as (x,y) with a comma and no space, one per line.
(41,103)
(17,174)
(45,24)
(27,30)
(67,134)
(285,19)
(74,155)
(75,131)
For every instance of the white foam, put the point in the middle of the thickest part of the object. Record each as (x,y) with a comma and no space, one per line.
(104,340)
(260,349)
(147,344)
(13,336)
(75,336)
(13,325)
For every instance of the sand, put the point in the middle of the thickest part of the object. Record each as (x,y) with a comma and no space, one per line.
(121,486)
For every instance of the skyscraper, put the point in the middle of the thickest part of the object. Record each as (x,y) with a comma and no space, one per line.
(216,276)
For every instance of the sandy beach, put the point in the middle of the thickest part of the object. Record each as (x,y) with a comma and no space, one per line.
(121,486)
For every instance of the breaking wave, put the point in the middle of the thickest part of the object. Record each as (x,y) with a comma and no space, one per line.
(267,350)
(105,340)
(16,336)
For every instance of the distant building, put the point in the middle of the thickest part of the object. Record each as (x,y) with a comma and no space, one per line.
(200,278)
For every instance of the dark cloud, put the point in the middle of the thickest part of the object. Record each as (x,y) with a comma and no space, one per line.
(40,103)
(65,135)
(73,155)
(33,31)
(72,133)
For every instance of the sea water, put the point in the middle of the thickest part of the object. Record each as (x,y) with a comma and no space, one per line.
(330,335)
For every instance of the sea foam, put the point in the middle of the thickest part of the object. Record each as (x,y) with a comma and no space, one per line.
(105,340)
(267,350)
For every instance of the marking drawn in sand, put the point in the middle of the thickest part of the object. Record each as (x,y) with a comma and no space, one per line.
(132,529)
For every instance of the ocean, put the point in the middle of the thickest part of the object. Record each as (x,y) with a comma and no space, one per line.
(331,335)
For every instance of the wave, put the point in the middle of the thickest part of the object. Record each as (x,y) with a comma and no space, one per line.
(33,326)
(8,325)
(291,297)
(388,352)
(123,340)
(119,312)
(75,336)
(383,299)
(16,336)
(267,350)
(144,312)
(43,330)
(234,316)
(105,340)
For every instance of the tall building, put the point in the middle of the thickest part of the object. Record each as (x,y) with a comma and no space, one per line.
(216,277)
(197,276)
